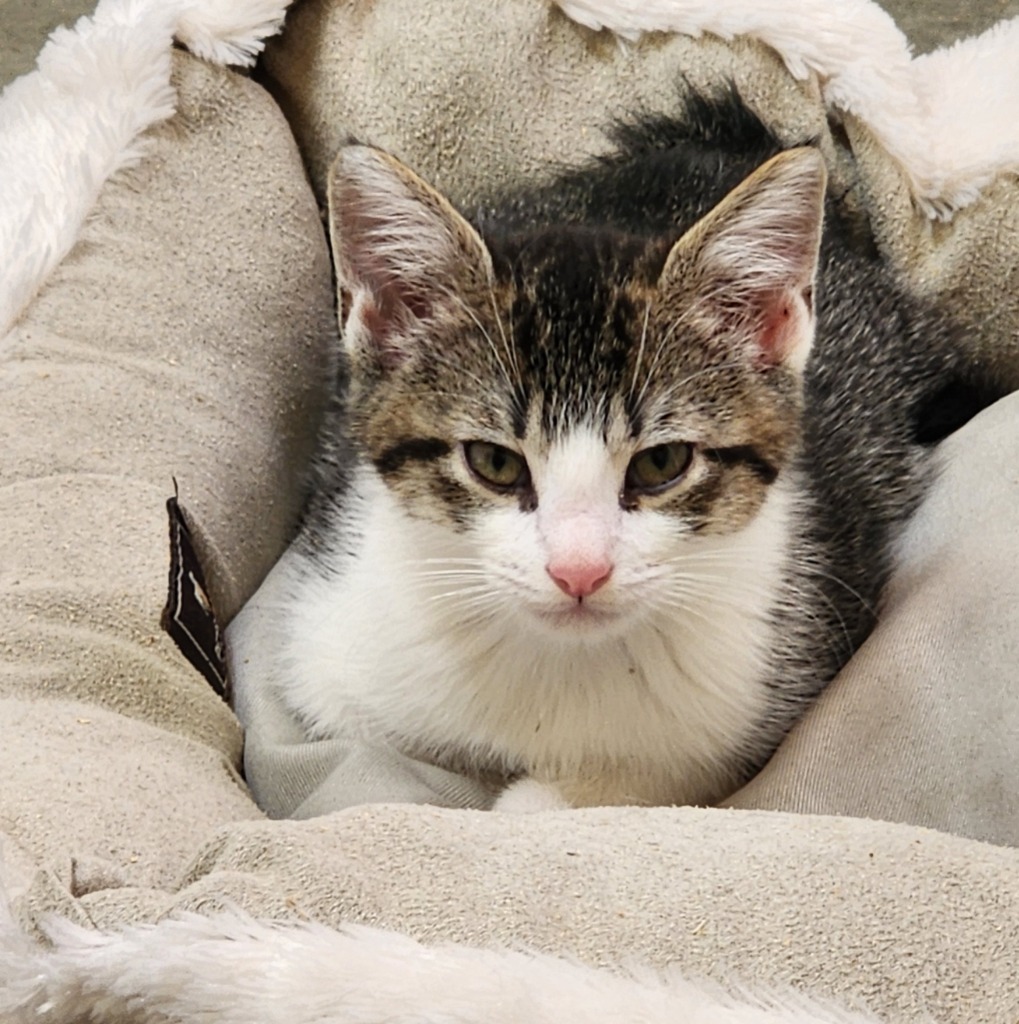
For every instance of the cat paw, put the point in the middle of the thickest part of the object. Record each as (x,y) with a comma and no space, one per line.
(529,796)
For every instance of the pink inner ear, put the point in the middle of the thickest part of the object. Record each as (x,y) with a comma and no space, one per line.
(374,320)
(398,300)
(386,328)
(783,320)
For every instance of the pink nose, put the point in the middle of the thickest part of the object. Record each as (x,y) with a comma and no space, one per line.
(579,579)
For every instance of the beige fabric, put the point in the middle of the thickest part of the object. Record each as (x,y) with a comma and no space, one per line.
(473,96)
(919,925)
(181,338)
(971,263)
(923,724)
(184,336)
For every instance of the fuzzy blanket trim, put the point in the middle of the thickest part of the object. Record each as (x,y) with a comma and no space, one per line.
(79,117)
(231,969)
(949,118)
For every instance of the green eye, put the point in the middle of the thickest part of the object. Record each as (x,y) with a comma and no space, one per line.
(655,469)
(496,466)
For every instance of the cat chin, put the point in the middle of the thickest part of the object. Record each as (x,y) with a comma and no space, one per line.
(579,621)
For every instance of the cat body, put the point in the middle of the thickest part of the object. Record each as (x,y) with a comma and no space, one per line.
(609,490)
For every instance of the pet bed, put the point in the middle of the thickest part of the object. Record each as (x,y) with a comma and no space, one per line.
(167,312)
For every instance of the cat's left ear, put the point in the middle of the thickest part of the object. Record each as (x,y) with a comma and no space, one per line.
(745,272)
(403,255)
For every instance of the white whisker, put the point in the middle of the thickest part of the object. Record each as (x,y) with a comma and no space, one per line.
(640,349)
(507,378)
(511,352)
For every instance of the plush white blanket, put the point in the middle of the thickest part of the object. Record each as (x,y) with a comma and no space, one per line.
(81,116)
(232,969)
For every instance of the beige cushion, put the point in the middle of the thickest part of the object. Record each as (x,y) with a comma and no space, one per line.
(181,338)
(922,725)
(918,925)
(473,96)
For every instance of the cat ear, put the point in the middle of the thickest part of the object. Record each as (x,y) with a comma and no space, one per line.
(403,255)
(746,270)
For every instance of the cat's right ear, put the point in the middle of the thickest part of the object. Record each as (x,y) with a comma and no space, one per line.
(404,257)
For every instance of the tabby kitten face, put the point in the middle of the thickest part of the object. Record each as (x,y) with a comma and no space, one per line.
(583,423)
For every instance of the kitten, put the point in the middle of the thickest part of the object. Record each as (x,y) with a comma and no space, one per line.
(610,492)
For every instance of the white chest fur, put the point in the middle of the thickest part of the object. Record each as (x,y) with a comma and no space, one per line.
(652,714)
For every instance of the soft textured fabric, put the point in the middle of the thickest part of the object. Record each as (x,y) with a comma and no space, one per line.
(354,974)
(474,96)
(971,264)
(182,338)
(185,337)
(923,724)
(917,925)
(81,114)
(947,118)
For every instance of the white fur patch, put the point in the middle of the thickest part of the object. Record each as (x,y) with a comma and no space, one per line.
(445,642)
(529,796)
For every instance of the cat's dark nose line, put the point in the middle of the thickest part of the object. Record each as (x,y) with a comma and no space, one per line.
(580,579)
